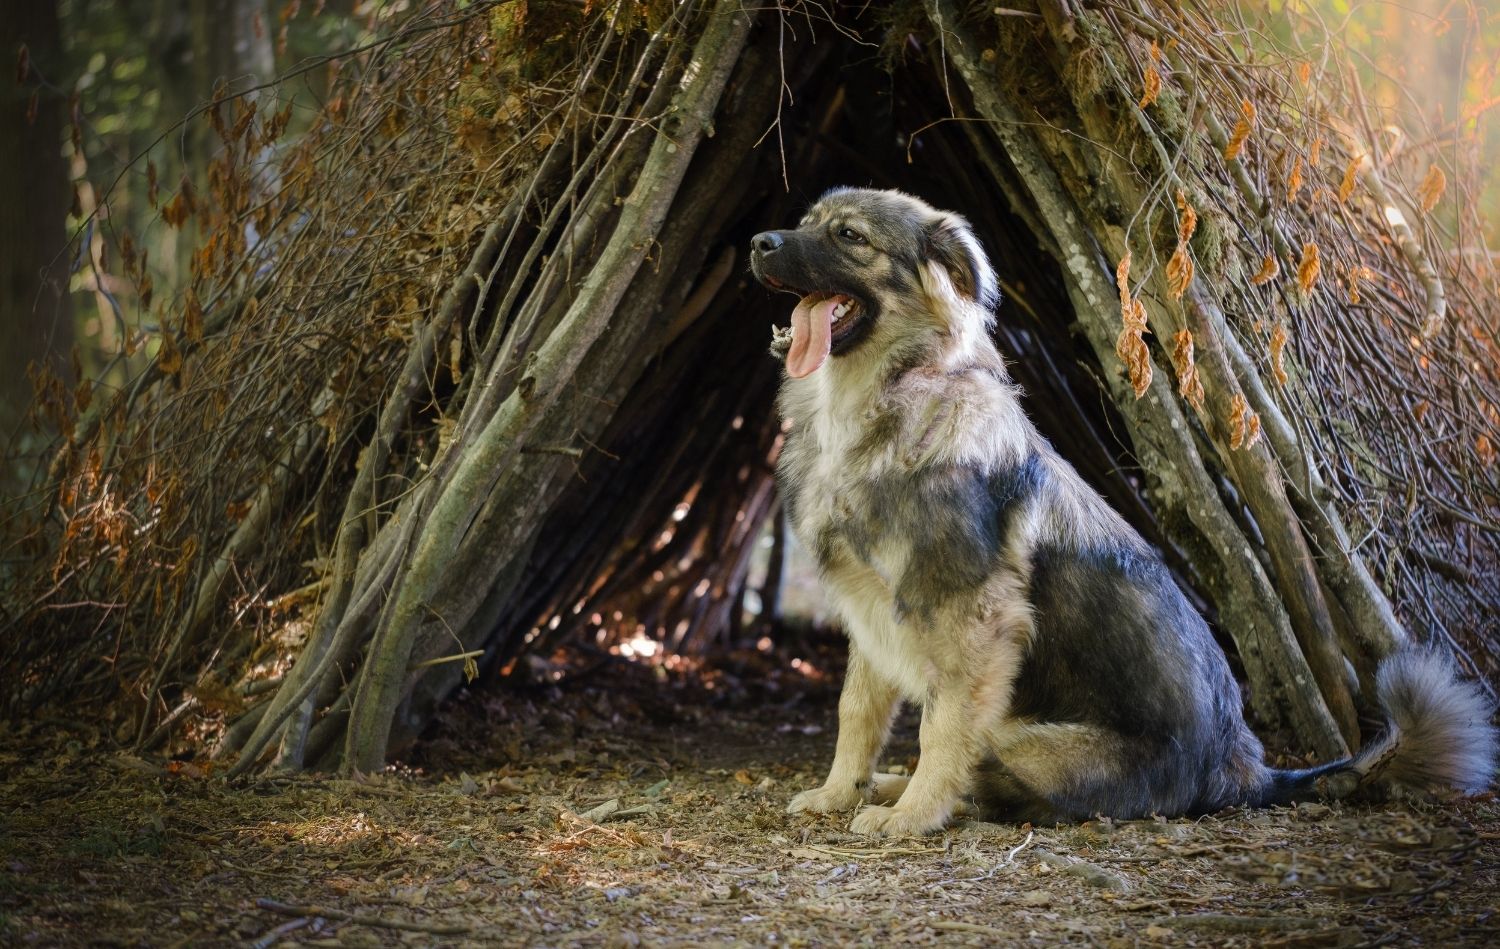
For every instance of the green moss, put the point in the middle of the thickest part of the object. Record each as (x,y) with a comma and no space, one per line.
(1167,111)
(1208,240)
(536,38)
(1086,73)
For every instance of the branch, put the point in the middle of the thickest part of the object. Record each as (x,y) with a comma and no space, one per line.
(382,676)
(327,912)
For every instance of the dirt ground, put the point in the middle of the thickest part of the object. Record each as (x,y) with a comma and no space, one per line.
(625,805)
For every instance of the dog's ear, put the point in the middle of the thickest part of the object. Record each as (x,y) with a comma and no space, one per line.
(950,243)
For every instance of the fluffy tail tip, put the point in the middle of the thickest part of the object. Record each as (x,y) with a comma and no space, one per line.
(1441,724)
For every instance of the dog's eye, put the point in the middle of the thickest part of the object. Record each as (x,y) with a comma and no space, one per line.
(851,235)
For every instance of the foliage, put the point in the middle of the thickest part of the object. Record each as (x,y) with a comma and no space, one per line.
(138,82)
(266,351)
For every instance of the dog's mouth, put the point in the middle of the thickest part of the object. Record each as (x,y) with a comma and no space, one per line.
(824,323)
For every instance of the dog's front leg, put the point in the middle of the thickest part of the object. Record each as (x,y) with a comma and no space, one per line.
(950,740)
(866,707)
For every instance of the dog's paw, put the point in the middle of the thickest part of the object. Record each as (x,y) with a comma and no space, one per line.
(826,800)
(893,822)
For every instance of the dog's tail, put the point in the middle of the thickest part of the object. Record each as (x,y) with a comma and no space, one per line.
(1438,739)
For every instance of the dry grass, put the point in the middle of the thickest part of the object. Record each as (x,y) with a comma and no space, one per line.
(480,833)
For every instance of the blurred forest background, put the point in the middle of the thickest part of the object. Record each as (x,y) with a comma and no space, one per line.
(97,142)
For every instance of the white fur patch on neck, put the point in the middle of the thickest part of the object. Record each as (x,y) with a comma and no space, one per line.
(963,319)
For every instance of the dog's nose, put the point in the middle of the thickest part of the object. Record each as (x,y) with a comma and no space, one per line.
(766,242)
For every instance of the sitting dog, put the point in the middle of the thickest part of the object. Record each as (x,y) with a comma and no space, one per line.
(1060,671)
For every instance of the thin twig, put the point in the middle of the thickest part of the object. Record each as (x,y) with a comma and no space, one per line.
(361,919)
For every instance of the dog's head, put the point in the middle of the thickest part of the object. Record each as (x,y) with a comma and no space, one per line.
(875,269)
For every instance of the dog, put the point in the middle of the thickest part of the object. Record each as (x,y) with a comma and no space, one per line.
(1061,672)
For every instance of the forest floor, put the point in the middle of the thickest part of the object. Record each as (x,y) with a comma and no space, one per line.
(623,805)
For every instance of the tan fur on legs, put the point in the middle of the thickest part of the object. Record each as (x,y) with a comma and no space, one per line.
(949,755)
(866,708)
(962,709)
(1052,759)
(890,787)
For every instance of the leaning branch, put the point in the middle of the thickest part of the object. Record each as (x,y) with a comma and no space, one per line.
(385,671)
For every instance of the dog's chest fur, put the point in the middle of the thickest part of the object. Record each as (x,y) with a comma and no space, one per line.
(870,475)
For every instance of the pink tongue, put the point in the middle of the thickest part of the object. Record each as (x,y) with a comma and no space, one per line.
(811,335)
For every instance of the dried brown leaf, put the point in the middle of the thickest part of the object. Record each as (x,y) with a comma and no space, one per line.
(1357,274)
(192,318)
(1137,358)
(168,356)
(1317,152)
(1432,187)
(1244,425)
(1351,173)
(1189,386)
(1153,78)
(1179,271)
(1278,351)
(1269,268)
(1294,180)
(1486,450)
(1129,345)
(1187,218)
(1242,129)
(1122,282)
(127,253)
(1308,269)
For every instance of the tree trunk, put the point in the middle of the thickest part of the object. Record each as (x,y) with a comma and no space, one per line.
(35,316)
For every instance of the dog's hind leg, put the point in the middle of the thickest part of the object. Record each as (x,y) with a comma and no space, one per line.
(1054,772)
(866,707)
(1001,796)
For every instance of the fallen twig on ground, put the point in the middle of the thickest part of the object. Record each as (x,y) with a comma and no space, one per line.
(360,919)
